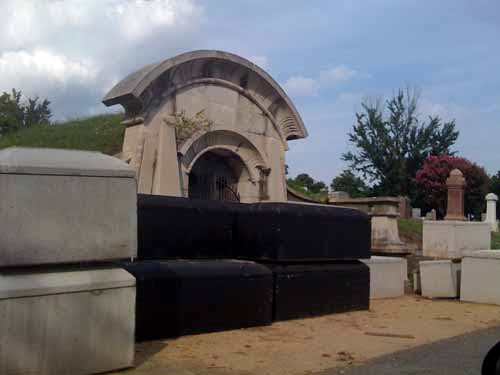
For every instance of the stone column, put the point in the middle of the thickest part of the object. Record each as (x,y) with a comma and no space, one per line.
(456,186)
(491,211)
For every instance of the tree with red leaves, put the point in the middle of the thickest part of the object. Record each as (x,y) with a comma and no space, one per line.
(431,184)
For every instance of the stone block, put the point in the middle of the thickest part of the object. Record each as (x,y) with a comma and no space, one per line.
(68,322)
(61,206)
(481,277)
(440,278)
(387,276)
(416,213)
(448,239)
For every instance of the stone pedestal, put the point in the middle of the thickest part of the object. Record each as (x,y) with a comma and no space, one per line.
(387,276)
(440,278)
(384,212)
(456,185)
(481,277)
(491,211)
(68,322)
(448,239)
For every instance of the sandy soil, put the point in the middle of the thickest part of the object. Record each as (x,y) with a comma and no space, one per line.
(310,345)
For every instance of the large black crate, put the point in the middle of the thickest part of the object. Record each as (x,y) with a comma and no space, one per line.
(180,297)
(174,227)
(301,232)
(317,289)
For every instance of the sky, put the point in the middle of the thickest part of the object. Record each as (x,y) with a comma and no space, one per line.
(328,55)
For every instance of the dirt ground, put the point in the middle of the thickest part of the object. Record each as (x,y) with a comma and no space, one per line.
(307,346)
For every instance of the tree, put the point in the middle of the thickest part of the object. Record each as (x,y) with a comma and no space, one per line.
(392,143)
(431,184)
(304,180)
(309,186)
(350,183)
(16,114)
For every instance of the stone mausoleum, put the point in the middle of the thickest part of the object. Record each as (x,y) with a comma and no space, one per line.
(239,155)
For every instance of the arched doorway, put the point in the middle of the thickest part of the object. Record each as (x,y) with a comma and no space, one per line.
(215,176)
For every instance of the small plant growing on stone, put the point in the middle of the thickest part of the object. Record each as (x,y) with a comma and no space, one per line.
(186,126)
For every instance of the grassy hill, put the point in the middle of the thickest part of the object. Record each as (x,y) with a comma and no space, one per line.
(99,133)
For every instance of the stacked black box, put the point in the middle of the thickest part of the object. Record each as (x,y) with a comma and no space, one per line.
(303,290)
(173,227)
(312,251)
(179,297)
(301,232)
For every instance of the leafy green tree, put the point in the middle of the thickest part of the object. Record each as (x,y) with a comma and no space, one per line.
(304,180)
(309,186)
(391,142)
(16,114)
(350,183)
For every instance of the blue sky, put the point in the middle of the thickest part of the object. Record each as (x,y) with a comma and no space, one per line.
(328,55)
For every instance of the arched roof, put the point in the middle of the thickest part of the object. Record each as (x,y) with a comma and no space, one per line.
(138,91)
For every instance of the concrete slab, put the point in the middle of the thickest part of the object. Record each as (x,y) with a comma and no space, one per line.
(78,322)
(60,206)
(440,278)
(387,276)
(446,239)
(481,277)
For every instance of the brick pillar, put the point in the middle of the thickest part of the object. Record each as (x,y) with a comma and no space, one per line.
(456,186)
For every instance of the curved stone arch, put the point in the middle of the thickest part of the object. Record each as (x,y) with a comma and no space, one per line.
(139,92)
(227,140)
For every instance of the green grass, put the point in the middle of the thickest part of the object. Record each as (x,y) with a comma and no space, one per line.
(411,228)
(321,197)
(99,133)
(495,240)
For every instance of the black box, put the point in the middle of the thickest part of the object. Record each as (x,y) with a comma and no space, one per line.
(317,289)
(180,297)
(174,227)
(301,232)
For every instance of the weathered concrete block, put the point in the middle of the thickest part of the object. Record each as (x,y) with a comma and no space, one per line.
(481,277)
(448,239)
(387,276)
(60,206)
(73,322)
(440,278)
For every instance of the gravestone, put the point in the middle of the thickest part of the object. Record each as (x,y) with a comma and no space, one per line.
(491,211)
(456,186)
(416,213)
(404,207)
(431,215)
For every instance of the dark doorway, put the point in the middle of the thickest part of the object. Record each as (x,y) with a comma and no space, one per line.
(213,178)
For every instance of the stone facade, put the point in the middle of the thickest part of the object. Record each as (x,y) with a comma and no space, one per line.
(252,120)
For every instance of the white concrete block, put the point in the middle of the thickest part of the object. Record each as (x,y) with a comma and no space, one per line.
(387,276)
(448,239)
(481,277)
(440,278)
(74,322)
(59,206)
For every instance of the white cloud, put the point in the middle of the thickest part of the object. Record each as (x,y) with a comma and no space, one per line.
(337,74)
(16,67)
(54,48)
(304,86)
(301,86)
